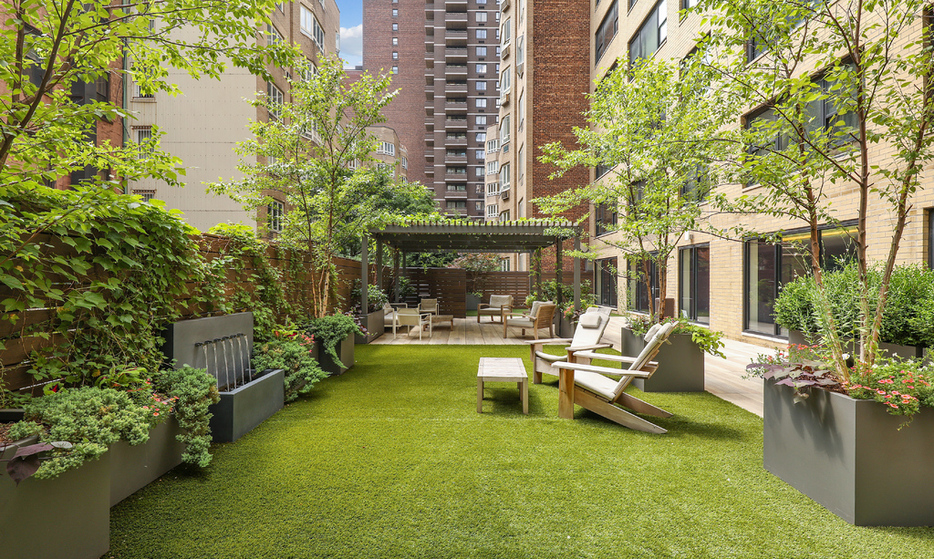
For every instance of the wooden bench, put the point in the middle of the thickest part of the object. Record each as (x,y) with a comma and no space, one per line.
(503,369)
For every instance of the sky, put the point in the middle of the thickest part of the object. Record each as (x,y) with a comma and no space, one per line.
(351,31)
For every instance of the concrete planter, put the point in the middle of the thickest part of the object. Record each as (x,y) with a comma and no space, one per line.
(373,322)
(564,327)
(67,517)
(903,351)
(680,364)
(850,456)
(344,350)
(473,302)
(248,405)
(135,467)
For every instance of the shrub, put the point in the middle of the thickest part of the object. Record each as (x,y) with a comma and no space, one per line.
(375,297)
(194,391)
(331,330)
(291,351)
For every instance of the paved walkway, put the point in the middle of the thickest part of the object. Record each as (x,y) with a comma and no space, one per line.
(724,377)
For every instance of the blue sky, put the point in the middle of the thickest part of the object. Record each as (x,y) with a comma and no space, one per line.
(351,31)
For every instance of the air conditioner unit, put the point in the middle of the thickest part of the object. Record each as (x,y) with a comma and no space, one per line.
(504,52)
(504,194)
(504,99)
(504,5)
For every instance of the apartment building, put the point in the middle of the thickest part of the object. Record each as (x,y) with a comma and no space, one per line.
(731,284)
(444,57)
(203,124)
(390,153)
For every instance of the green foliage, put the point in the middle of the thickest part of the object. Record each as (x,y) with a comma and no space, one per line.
(707,340)
(550,293)
(110,269)
(908,315)
(293,352)
(91,419)
(194,391)
(375,297)
(331,331)
(313,144)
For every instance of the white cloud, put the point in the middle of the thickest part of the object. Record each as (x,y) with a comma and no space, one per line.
(352,45)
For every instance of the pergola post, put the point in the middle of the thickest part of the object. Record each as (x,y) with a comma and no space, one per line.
(538,272)
(364,274)
(379,263)
(577,274)
(559,273)
(395,275)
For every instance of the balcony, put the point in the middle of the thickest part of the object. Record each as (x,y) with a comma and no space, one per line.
(460,157)
(455,53)
(455,17)
(458,4)
(455,35)
(456,123)
(455,140)
(455,105)
(455,70)
(455,86)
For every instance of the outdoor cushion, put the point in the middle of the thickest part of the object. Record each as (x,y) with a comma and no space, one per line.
(499,301)
(597,383)
(651,333)
(521,322)
(590,320)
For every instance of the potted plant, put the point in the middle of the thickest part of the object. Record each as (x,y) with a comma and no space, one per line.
(334,334)
(293,352)
(846,442)
(372,319)
(681,359)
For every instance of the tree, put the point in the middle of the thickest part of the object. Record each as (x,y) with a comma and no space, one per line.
(314,153)
(650,126)
(840,82)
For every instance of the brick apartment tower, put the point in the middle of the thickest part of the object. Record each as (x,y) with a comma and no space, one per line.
(444,55)
(545,75)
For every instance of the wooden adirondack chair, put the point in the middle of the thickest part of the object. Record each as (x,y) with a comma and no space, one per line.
(590,328)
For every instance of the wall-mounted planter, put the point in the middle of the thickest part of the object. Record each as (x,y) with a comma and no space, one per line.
(135,467)
(248,405)
(344,350)
(373,322)
(850,456)
(67,517)
(680,363)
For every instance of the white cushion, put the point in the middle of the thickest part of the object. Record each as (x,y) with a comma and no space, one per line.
(498,301)
(651,333)
(596,383)
(590,320)
(520,323)
(550,357)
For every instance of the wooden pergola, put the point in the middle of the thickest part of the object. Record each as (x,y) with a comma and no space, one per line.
(471,236)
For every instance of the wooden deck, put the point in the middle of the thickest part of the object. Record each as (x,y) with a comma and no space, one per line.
(724,377)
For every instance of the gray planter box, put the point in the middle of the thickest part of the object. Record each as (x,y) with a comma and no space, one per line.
(904,351)
(67,517)
(373,322)
(850,456)
(248,405)
(344,350)
(564,327)
(473,302)
(680,364)
(135,467)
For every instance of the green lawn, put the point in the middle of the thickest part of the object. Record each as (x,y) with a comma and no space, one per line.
(392,460)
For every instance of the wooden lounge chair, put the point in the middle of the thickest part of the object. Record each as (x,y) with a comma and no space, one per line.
(541,315)
(587,336)
(499,305)
(586,385)
(429,306)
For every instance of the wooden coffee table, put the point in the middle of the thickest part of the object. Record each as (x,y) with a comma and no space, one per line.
(438,318)
(503,369)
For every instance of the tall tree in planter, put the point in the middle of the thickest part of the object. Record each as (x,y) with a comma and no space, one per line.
(839,82)
(648,129)
(314,152)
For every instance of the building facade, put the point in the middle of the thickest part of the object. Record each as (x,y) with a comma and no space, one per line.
(444,57)
(203,124)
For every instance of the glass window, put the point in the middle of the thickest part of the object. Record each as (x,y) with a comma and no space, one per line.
(480,120)
(607,31)
(395,41)
(481,17)
(481,34)
(481,51)
(395,12)
(395,26)
(930,239)
(605,217)
(651,34)
(638,293)
(504,131)
(694,283)
(606,282)
(481,68)
(520,162)
(506,32)
(274,211)
(504,176)
(481,103)
(481,85)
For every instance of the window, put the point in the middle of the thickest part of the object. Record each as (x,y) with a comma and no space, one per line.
(492,167)
(505,81)
(395,69)
(606,282)
(395,41)
(601,170)
(651,35)
(506,32)
(481,137)
(930,216)
(492,211)
(481,1)
(492,146)
(639,293)
(504,176)
(481,51)
(274,212)
(605,217)
(520,55)
(273,37)
(405,162)
(697,187)
(478,171)
(308,70)
(386,148)
(481,85)
(456,204)
(480,120)
(454,187)
(481,34)
(606,32)
(688,4)
(309,26)
(504,131)
(492,189)
(395,27)
(497,52)
(481,68)
(769,266)
(479,154)
(694,283)
(395,12)
(481,17)
(520,110)
(275,97)
(520,163)
(395,55)
(481,103)
(504,216)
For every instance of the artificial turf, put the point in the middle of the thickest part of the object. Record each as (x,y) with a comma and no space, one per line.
(391,459)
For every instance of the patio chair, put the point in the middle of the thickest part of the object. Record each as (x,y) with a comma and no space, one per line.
(390,316)
(428,306)
(587,386)
(499,306)
(587,336)
(541,315)
(411,318)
